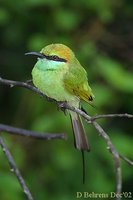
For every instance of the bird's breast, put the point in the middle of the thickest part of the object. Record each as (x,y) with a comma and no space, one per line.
(51,83)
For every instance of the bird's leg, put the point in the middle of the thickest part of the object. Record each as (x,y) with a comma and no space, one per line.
(61,106)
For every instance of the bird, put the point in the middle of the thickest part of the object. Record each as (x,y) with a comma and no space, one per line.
(60,76)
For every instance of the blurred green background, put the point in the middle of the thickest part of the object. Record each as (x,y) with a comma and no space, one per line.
(100,32)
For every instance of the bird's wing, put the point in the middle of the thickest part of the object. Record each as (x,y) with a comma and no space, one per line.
(76,82)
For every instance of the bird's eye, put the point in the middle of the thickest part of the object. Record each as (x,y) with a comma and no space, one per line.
(54,57)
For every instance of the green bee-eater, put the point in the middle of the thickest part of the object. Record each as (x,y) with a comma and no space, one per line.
(59,75)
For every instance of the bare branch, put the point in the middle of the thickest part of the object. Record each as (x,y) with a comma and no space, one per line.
(112,116)
(115,155)
(12,83)
(23,132)
(110,147)
(15,169)
(26,85)
(130,162)
(77,110)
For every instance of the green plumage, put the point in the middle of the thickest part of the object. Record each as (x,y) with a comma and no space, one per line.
(60,76)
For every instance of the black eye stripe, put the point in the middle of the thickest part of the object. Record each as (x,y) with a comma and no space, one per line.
(55,58)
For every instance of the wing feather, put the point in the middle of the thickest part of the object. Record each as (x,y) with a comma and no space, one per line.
(76,82)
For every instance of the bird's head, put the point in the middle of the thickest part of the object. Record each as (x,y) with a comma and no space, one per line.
(55,52)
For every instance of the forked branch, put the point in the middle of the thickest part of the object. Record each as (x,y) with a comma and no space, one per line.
(116,156)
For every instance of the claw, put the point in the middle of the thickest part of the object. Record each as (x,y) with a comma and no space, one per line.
(61,107)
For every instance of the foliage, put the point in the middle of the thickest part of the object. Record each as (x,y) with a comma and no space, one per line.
(100,34)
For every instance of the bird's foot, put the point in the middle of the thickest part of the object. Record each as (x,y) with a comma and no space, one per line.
(61,106)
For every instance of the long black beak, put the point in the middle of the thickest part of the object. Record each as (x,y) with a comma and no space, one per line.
(35,54)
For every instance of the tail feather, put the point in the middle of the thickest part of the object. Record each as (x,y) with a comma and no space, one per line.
(80,138)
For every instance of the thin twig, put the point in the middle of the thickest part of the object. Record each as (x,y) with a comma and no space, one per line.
(26,85)
(110,146)
(112,116)
(15,169)
(115,155)
(130,162)
(91,119)
(23,132)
